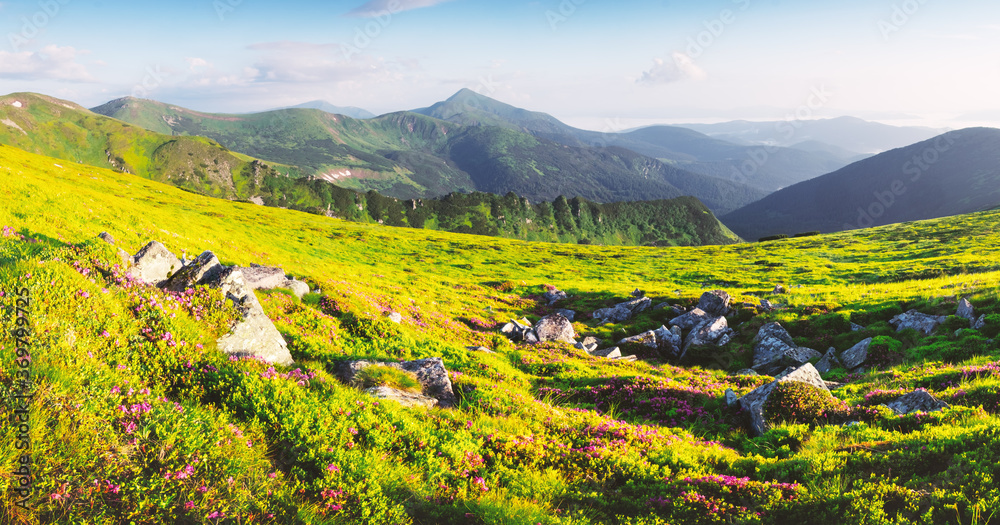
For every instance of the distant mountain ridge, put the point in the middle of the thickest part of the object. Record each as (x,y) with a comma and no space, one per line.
(347,111)
(955,173)
(410,155)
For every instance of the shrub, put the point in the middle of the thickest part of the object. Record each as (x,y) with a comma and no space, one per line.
(381,375)
(885,352)
(807,234)
(773,238)
(793,401)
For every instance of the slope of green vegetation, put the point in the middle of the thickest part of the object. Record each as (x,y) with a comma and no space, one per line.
(135,416)
(409,155)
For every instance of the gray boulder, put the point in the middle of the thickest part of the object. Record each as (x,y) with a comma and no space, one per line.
(614,314)
(609,353)
(770,344)
(799,356)
(254,333)
(625,358)
(568,314)
(857,328)
(980,323)
(714,332)
(555,327)
(264,277)
(407,399)
(517,330)
(203,269)
(154,264)
(856,355)
(297,287)
(829,362)
(766,305)
(715,303)
(591,340)
(430,372)
(670,341)
(530,337)
(553,296)
(106,237)
(731,399)
(778,289)
(647,339)
(691,319)
(966,310)
(917,401)
(754,402)
(917,321)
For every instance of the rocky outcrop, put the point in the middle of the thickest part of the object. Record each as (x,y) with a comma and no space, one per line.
(966,310)
(917,401)
(554,295)
(623,311)
(715,303)
(254,334)
(917,321)
(519,331)
(854,357)
(264,277)
(430,372)
(205,269)
(829,362)
(568,314)
(647,339)
(714,332)
(555,327)
(407,399)
(154,264)
(670,341)
(771,346)
(690,320)
(754,402)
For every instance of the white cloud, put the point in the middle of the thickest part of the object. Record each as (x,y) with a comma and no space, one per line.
(303,62)
(194,63)
(679,67)
(382,7)
(50,63)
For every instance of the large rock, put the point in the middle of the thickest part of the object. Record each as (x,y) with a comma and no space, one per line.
(299,288)
(554,295)
(154,264)
(917,321)
(623,311)
(517,330)
(204,269)
(264,277)
(568,314)
(254,334)
(647,339)
(966,310)
(829,362)
(855,356)
(753,403)
(430,372)
(714,332)
(610,353)
(770,344)
(691,319)
(407,399)
(555,327)
(715,303)
(917,401)
(670,341)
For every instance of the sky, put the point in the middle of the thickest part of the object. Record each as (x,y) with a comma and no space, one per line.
(598,64)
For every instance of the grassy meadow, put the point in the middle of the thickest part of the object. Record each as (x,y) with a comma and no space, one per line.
(136,418)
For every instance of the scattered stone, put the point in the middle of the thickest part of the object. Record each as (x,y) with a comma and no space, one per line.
(517,330)
(568,314)
(746,372)
(856,356)
(554,295)
(980,323)
(917,401)
(264,277)
(766,305)
(623,311)
(298,288)
(770,345)
(715,332)
(430,372)
(731,399)
(678,310)
(106,237)
(647,339)
(555,327)
(715,303)
(530,337)
(753,403)
(966,310)
(626,358)
(482,349)
(670,341)
(154,264)
(203,269)
(591,340)
(254,334)
(691,319)
(661,306)
(407,399)
(610,353)
(829,362)
(799,356)
(778,290)
(586,348)
(395,317)
(637,293)
(917,321)
(857,328)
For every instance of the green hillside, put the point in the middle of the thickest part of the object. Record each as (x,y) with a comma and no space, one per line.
(407,155)
(136,417)
(954,173)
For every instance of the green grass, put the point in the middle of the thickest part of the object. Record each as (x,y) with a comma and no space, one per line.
(177,433)
(381,375)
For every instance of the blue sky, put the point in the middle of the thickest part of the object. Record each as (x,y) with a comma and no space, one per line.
(593,63)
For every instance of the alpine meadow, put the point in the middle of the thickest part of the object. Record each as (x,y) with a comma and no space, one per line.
(319,263)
